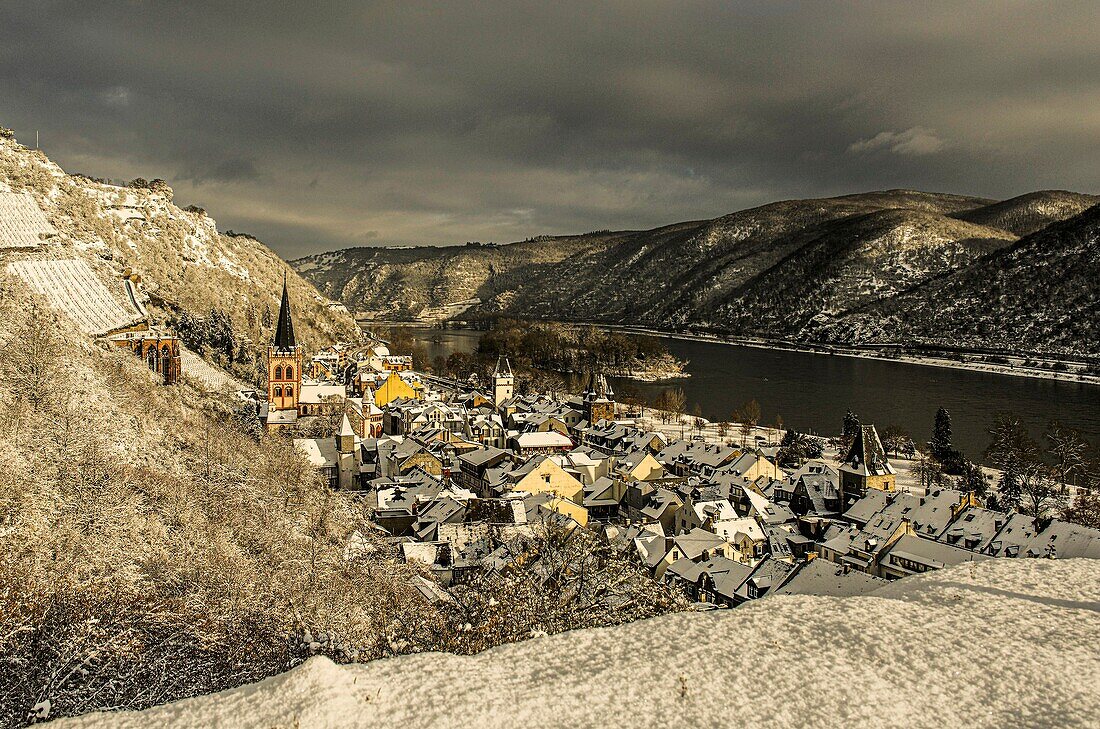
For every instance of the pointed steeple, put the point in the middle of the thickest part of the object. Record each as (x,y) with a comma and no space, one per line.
(345,438)
(284,330)
(503,367)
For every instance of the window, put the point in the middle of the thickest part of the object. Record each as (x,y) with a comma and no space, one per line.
(289,391)
(278,372)
(278,391)
(289,372)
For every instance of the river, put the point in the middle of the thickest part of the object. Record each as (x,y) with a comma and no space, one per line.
(812,391)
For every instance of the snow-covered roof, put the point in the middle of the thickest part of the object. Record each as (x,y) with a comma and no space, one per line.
(320,452)
(547,439)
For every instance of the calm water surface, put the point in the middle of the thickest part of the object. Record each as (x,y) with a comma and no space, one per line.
(812,391)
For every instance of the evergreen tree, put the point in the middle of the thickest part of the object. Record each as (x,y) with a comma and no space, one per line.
(851,425)
(940,444)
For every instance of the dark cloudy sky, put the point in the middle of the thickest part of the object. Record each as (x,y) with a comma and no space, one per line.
(319,125)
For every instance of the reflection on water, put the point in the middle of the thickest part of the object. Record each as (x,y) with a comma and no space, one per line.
(812,391)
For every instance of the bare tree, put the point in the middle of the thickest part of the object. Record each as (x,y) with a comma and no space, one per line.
(747,416)
(1067,449)
(1040,493)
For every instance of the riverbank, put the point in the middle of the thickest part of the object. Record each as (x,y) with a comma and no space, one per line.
(839,351)
(1017,369)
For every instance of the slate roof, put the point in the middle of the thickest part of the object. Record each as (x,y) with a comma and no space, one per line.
(867,457)
(284,329)
(828,579)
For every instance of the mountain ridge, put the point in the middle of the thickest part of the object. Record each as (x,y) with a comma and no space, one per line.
(792,269)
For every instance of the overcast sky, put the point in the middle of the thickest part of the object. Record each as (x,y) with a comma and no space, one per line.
(319,125)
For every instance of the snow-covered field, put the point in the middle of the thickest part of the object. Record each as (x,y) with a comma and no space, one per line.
(992,644)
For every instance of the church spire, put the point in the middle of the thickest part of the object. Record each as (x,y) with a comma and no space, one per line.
(284,330)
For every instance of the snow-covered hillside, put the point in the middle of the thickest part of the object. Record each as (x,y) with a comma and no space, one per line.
(992,644)
(185,264)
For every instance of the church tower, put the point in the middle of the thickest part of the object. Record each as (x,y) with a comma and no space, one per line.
(599,399)
(503,381)
(284,362)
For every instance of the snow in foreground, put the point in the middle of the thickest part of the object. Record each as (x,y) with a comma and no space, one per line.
(997,643)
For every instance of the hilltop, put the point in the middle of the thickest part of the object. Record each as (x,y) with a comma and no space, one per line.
(914,653)
(807,270)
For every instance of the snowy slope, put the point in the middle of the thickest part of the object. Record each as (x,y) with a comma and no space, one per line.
(998,643)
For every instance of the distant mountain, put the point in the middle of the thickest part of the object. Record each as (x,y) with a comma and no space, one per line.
(1031,212)
(1039,294)
(798,269)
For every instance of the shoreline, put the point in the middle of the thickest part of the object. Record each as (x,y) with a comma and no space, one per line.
(824,349)
(816,348)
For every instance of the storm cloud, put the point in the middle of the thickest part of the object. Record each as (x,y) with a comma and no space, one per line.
(322,125)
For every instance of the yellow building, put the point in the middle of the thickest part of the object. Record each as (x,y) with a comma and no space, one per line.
(574,511)
(393,388)
(542,475)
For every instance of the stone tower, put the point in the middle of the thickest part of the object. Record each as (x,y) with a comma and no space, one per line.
(504,381)
(284,362)
(599,400)
(866,466)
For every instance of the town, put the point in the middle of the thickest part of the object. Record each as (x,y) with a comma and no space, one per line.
(458,475)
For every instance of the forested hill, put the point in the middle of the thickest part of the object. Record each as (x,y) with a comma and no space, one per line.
(818,269)
(1037,294)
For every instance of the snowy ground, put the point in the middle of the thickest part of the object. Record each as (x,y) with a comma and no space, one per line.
(992,644)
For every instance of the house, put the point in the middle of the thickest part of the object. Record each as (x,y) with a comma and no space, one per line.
(542,474)
(706,581)
(912,555)
(866,466)
(602,498)
(410,454)
(827,579)
(393,388)
(765,511)
(651,504)
(653,548)
(525,444)
(548,507)
(699,545)
(486,428)
(320,398)
(752,467)
(640,465)
(474,467)
(1019,537)
(768,573)
(686,458)
(817,493)
(338,459)
(746,536)
(702,513)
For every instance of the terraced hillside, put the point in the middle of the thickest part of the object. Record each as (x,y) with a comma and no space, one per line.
(188,268)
